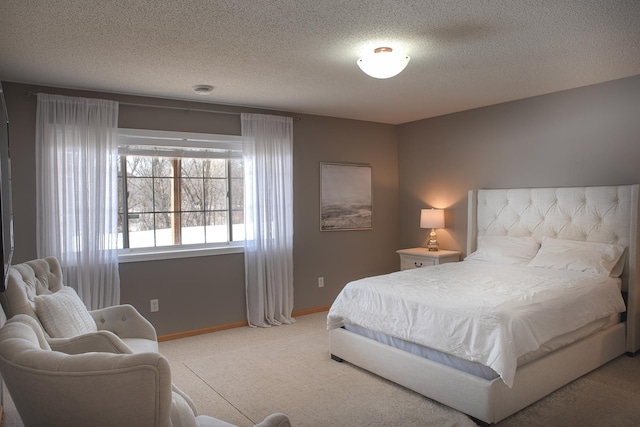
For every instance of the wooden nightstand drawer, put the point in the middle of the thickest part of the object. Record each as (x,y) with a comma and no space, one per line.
(408,261)
(421,257)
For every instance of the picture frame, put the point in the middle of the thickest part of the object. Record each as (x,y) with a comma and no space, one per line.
(345,197)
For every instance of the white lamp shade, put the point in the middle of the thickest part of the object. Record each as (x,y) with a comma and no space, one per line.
(432,218)
(383,63)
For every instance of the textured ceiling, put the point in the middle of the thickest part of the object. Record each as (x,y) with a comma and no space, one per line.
(300,55)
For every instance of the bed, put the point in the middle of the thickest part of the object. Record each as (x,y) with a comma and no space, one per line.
(529,250)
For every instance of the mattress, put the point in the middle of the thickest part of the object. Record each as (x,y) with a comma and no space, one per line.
(478,369)
(488,314)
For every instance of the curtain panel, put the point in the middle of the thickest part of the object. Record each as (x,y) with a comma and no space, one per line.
(268,254)
(77,193)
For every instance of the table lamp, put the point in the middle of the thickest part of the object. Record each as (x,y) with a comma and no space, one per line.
(432,218)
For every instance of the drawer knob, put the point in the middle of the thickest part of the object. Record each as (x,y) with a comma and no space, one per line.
(417,264)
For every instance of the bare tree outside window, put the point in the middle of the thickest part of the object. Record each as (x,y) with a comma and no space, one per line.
(180,201)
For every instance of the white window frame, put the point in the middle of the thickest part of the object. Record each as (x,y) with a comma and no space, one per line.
(144,142)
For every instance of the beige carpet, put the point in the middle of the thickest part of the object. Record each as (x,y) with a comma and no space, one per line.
(288,369)
(242,375)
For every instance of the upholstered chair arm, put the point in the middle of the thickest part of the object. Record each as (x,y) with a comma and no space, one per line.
(275,420)
(183,411)
(124,321)
(175,389)
(101,341)
(90,389)
(97,387)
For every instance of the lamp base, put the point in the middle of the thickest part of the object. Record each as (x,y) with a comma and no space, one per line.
(432,245)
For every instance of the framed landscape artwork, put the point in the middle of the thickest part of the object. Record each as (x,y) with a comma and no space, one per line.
(345,197)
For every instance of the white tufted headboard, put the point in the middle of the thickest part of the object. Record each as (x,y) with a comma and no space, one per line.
(592,214)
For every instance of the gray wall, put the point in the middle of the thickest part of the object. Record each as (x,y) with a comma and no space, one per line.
(201,292)
(585,136)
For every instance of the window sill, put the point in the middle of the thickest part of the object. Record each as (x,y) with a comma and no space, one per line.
(141,255)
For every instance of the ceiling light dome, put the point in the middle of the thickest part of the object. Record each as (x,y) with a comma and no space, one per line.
(203,89)
(383,63)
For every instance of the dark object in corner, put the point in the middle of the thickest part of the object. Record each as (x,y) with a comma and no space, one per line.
(336,358)
(6,213)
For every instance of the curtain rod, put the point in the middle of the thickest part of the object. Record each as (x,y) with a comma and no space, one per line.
(168,107)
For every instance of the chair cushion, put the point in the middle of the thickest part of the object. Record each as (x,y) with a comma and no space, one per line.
(63,314)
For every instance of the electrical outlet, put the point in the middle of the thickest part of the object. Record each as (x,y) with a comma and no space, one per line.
(321,282)
(154,305)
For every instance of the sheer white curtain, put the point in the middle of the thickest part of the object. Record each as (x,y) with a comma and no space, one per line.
(77,194)
(268,253)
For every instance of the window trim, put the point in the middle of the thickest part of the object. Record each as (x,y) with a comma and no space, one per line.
(164,138)
(167,252)
(220,146)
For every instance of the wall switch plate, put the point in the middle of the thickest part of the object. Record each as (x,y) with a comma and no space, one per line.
(321,282)
(154,305)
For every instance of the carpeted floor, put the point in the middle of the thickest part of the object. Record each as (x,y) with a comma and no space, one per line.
(242,375)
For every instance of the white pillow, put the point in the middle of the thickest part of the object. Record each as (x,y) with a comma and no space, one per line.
(619,267)
(63,314)
(505,249)
(588,257)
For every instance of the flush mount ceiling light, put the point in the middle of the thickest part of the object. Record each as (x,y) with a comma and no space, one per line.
(203,89)
(383,63)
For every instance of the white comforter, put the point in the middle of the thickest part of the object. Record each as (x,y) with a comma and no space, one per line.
(478,311)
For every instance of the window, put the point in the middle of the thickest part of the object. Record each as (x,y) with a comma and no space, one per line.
(179,190)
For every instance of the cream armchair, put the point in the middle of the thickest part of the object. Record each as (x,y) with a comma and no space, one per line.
(43,278)
(94,389)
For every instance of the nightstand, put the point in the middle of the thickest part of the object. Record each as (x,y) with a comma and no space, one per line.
(421,257)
